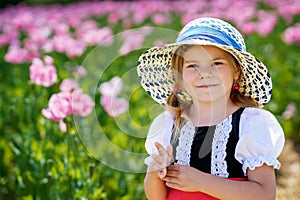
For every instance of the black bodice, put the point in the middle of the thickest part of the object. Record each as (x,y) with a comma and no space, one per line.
(202,148)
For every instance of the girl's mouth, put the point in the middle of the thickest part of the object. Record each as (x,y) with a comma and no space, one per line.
(207,86)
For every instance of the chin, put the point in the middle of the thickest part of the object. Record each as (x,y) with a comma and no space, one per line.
(208,98)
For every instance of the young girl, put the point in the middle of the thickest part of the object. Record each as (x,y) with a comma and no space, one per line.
(214,141)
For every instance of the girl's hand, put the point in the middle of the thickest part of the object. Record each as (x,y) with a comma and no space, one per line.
(161,161)
(183,177)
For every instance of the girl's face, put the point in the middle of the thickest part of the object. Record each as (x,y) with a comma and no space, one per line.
(208,73)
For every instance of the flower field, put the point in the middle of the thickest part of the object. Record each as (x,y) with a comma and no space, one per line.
(73,115)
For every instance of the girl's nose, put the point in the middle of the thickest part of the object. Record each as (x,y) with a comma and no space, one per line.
(204,72)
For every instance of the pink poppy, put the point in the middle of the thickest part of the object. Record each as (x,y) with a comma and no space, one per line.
(82,104)
(43,73)
(114,106)
(111,88)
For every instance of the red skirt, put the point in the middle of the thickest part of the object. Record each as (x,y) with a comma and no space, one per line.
(182,195)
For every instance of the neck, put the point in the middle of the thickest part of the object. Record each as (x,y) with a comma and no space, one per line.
(211,113)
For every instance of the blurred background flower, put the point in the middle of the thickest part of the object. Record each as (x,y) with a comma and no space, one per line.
(43,72)
(110,90)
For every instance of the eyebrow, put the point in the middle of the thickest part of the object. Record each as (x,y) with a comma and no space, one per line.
(194,61)
(190,61)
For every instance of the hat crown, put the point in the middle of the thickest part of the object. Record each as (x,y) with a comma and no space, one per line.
(213,30)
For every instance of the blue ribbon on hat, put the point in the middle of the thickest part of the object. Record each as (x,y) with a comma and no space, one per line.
(209,34)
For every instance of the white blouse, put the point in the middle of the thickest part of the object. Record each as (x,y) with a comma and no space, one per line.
(261,139)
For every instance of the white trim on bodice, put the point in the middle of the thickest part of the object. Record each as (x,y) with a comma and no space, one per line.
(183,150)
(218,154)
(220,139)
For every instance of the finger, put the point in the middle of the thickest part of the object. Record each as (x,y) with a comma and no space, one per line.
(170,154)
(171,180)
(174,167)
(158,146)
(161,160)
(172,173)
(162,173)
(161,150)
(166,154)
(172,185)
(170,150)
(157,158)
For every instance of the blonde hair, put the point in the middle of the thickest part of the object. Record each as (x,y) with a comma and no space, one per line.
(178,108)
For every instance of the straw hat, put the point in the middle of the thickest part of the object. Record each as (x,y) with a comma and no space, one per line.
(157,76)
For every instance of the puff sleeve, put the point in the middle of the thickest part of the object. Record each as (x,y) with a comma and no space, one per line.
(160,131)
(261,139)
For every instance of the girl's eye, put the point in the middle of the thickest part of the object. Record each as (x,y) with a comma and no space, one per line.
(192,66)
(214,64)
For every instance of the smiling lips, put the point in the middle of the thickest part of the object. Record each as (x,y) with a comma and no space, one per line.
(206,85)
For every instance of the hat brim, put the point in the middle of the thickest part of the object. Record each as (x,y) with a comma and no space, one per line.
(157,76)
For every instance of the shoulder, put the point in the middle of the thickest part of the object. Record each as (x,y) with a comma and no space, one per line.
(250,112)
(259,120)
